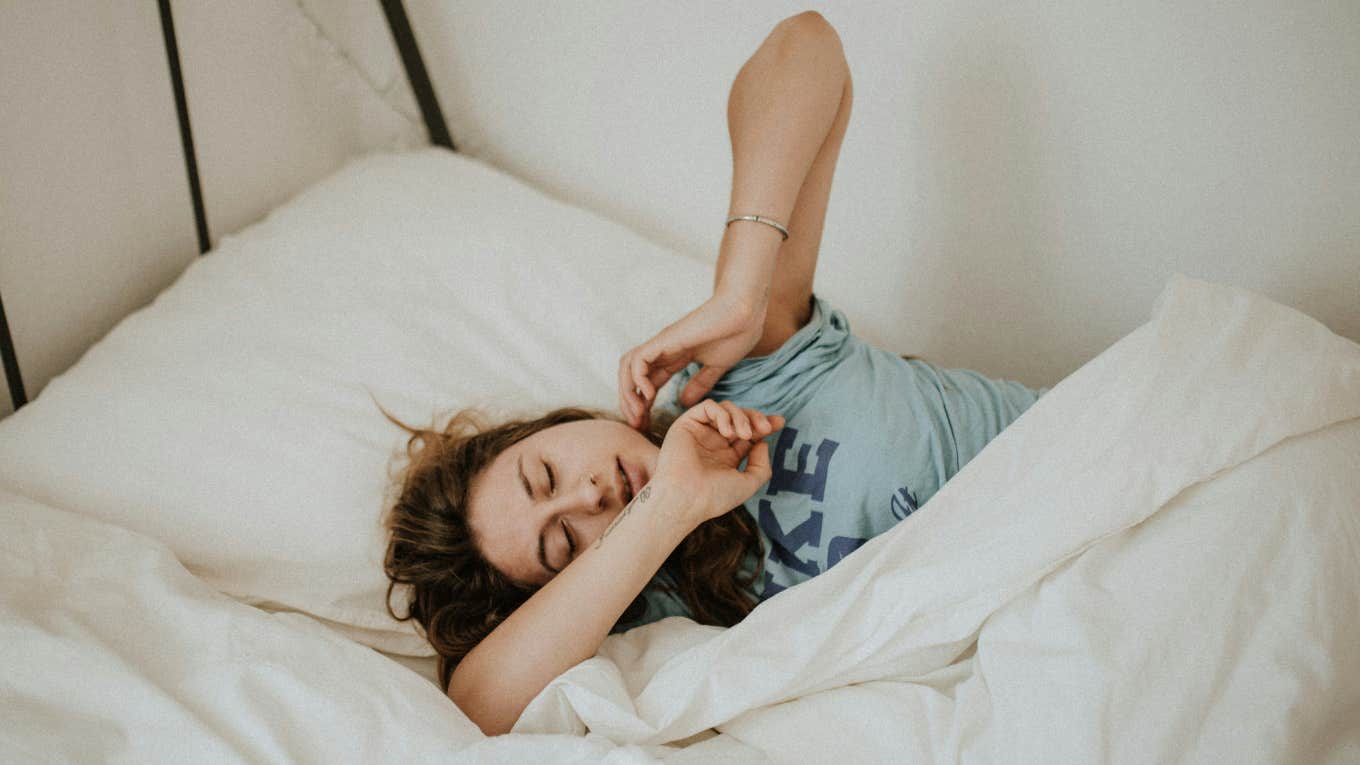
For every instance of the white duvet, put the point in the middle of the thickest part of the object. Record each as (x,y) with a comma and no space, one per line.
(1156,563)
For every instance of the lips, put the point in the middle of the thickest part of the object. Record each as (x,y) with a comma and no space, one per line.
(633,479)
(625,483)
(636,477)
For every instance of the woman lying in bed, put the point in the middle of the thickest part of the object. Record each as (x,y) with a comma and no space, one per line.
(527,543)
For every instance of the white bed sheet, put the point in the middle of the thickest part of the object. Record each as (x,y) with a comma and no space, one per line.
(1156,562)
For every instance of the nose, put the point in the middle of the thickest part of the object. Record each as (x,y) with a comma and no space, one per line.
(589,497)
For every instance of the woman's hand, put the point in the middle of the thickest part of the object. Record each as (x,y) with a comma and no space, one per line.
(701,453)
(717,334)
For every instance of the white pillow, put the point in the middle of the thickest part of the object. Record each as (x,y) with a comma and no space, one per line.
(231,419)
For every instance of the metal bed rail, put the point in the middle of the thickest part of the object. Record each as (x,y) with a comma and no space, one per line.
(400,26)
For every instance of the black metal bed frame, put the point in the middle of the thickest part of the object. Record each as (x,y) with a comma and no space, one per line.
(402,35)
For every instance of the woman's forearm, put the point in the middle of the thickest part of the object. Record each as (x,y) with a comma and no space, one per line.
(565,622)
(781,108)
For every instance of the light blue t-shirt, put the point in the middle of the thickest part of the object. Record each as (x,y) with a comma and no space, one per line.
(869,437)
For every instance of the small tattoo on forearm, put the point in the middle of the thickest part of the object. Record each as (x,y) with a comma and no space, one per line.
(639,499)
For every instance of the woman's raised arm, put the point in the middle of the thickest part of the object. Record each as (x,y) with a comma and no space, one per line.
(787,114)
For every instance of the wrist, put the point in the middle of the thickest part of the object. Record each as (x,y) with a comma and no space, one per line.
(745,267)
(676,507)
(743,309)
(673,510)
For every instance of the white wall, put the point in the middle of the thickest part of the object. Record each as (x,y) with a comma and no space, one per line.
(1019,179)
(95,213)
(94,209)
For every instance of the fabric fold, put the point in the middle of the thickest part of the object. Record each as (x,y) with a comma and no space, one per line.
(1218,376)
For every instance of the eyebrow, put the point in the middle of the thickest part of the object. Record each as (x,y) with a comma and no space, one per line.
(542,547)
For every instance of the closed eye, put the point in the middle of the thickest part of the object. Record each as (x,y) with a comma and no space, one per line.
(552,480)
(571,544)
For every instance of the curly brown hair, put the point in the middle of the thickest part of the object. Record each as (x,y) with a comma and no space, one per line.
(458,597)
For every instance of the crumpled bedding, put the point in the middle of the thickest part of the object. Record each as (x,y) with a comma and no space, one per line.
(1157,562)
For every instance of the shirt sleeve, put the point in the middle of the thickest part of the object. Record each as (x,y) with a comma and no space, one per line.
(783,381)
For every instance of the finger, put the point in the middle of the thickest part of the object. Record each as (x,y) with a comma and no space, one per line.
(659,376)
(717,417)
(675,365)
(700,384)
(626,407)
(642,417)
(758,462)
(662,367)
(740,422)
(724,419)
(670,357)
(639,412)
(662,373)
(759,422)
(642,386)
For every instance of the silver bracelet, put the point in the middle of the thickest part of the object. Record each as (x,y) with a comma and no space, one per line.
(761,219)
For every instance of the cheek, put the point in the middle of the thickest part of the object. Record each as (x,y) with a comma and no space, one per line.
(592,527)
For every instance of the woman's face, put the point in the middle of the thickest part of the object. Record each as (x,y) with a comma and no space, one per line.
(543,500)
